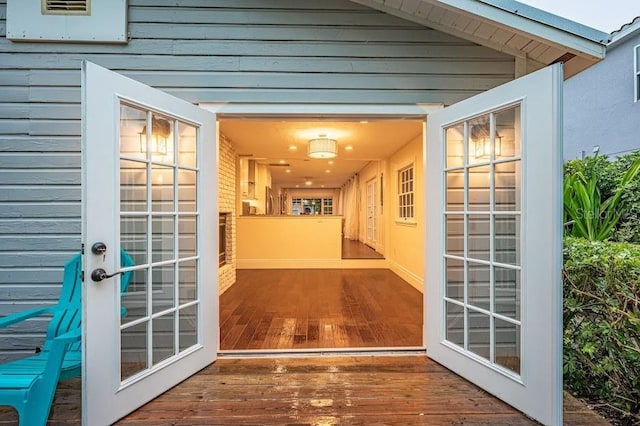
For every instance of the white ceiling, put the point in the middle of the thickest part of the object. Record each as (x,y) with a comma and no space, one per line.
(268,141)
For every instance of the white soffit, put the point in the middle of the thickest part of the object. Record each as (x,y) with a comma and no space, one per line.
(507,26)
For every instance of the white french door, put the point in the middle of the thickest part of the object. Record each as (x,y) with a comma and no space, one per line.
(494,242)
(150,217)
(372,214)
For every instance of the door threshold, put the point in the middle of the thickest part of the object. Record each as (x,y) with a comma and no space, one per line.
(323,352)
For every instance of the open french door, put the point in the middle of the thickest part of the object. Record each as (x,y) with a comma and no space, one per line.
(149,217)
(494,242)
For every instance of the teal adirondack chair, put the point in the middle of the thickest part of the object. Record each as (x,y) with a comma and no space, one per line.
(29,384)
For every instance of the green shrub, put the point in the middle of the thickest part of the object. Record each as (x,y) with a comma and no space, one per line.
(602,198)
(602,323)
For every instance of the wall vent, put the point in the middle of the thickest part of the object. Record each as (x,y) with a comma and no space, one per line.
(66,7)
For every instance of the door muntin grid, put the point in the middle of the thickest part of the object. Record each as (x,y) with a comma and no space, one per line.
(158,227)
(482,234)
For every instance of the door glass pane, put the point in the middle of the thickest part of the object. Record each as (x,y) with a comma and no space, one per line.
(479,188)
(455,279)
(455,323)
(133,350)
(161,147)
(162,238)
(455,146)
(455,234)
(507,292)
(188,232)
(133,302)
(187,281)
(507,138)
(163,287)
(455,190)
(162,188)
(479,285)
(507,338)
(133,237)
(478,236)
(507,186)
(187,191)
(188,327)
(482,227)
(187,135)
(507,239)
(479,145)
(133,186)
(479,333)
(163,337)
(132,122)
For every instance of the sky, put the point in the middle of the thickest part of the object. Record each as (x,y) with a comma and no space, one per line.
(604,15)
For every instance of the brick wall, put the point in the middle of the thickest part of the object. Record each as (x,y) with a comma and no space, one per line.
(227,204)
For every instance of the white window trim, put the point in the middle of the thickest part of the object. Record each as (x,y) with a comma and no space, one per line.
(636,75)
(399,219)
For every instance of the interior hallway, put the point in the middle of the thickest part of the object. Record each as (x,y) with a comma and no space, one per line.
(319,308)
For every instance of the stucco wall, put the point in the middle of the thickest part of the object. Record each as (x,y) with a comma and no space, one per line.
(599,107)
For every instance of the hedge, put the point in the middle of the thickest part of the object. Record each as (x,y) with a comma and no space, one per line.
(602,324)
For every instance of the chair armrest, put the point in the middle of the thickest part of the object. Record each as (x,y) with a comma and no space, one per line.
(70,336)
(21,316)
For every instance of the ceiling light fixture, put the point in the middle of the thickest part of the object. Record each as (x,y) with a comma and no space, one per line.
(348,147)
(322,147)
(307,181)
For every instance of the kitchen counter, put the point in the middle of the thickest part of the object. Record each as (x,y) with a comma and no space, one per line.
(305,241)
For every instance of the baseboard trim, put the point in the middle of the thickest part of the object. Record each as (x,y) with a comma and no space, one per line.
(312,264)
(415,280)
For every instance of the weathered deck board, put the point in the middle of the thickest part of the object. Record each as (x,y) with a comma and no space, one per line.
(407,390)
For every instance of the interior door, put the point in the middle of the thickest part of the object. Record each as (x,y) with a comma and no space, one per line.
(372,218)
(494,242)
(147,160)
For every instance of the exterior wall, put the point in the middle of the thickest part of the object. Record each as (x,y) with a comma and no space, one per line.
(227,204)
(599,107)
(405,239)
(277,51)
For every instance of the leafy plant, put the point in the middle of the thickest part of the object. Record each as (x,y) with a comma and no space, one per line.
(587,213)
(602,325)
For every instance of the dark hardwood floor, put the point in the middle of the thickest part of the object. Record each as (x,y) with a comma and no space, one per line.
(319,308)
(317,391)
(352,249)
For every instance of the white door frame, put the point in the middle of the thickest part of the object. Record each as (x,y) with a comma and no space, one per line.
(257,110)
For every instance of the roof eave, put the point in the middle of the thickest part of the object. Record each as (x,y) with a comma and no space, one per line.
(572,35)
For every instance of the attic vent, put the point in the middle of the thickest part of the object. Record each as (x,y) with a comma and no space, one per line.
(66,7)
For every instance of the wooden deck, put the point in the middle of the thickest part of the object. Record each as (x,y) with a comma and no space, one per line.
(319,308)
(408,390)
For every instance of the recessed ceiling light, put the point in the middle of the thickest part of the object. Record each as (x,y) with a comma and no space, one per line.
(327,171)
(348,147)
(288,171)
(321,186)
(364,122)
(331,162)
(282,161)
(297,186)
(293,148)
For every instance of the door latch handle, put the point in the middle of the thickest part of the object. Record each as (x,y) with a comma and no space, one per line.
(100,274)
(99,248)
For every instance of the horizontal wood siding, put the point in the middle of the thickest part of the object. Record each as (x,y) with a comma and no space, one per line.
(333,51)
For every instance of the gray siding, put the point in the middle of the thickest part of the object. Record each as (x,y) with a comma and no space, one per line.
(332,51)
(599,107)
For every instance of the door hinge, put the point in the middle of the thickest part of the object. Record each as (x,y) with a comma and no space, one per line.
(82,276)
(82,249)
